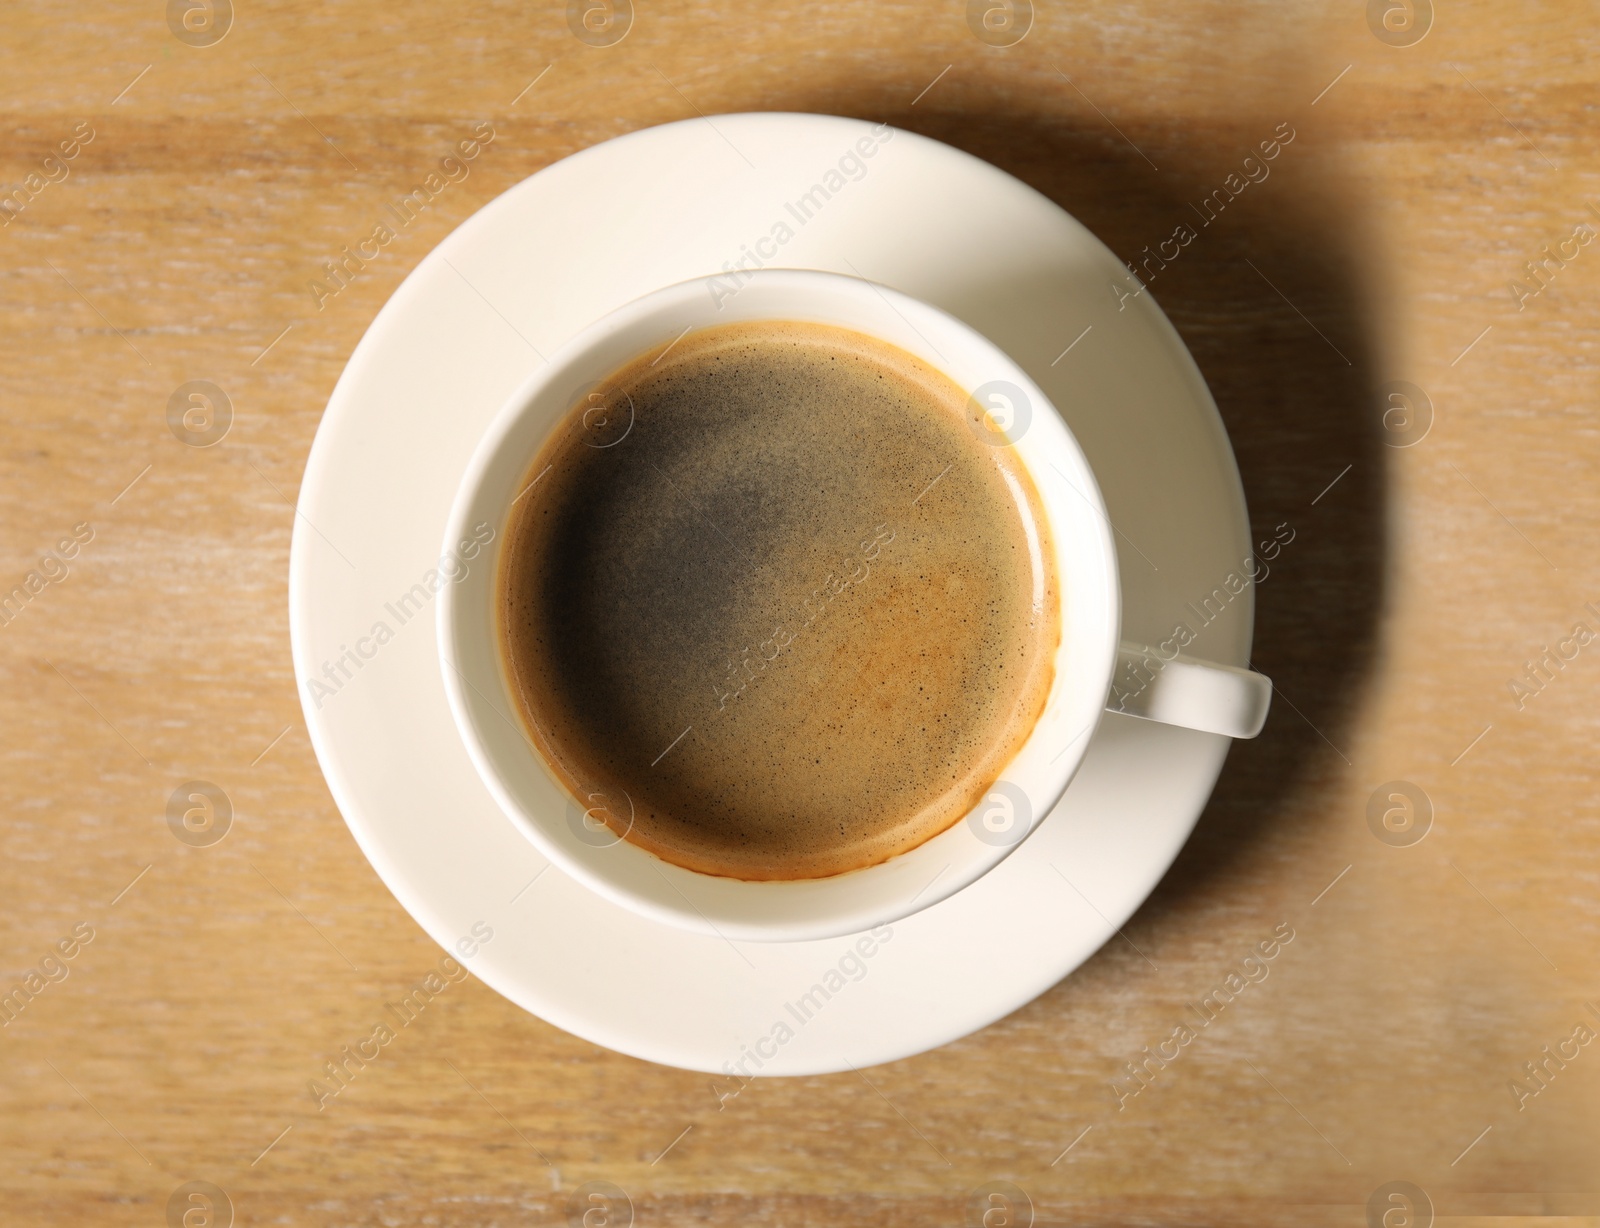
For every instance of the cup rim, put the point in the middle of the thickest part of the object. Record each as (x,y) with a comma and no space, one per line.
(779,910)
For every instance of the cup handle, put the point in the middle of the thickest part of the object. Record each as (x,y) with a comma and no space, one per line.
(1180,690)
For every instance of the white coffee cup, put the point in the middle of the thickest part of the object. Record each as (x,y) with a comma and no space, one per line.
(571,833)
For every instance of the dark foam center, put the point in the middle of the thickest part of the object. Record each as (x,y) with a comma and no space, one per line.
(770,596)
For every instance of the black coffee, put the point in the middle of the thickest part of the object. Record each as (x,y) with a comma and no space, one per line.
(769,605)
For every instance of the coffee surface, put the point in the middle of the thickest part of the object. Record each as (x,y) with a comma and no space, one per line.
(772,607)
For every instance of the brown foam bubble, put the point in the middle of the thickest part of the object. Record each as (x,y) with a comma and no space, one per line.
(773,597)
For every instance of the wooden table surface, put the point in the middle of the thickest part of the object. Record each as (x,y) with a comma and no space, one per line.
(175,200)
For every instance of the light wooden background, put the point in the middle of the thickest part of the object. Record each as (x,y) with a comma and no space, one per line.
(1384,1043)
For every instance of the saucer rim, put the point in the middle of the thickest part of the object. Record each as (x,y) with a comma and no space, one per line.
(1207,751)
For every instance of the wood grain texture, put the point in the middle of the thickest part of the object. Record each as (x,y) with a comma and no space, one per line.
(183,241)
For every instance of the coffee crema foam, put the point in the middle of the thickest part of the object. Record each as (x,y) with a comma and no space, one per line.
(772,608)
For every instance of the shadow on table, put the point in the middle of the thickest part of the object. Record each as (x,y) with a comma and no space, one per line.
(1297,394)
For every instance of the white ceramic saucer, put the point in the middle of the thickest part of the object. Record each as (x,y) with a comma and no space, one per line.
(467,327)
